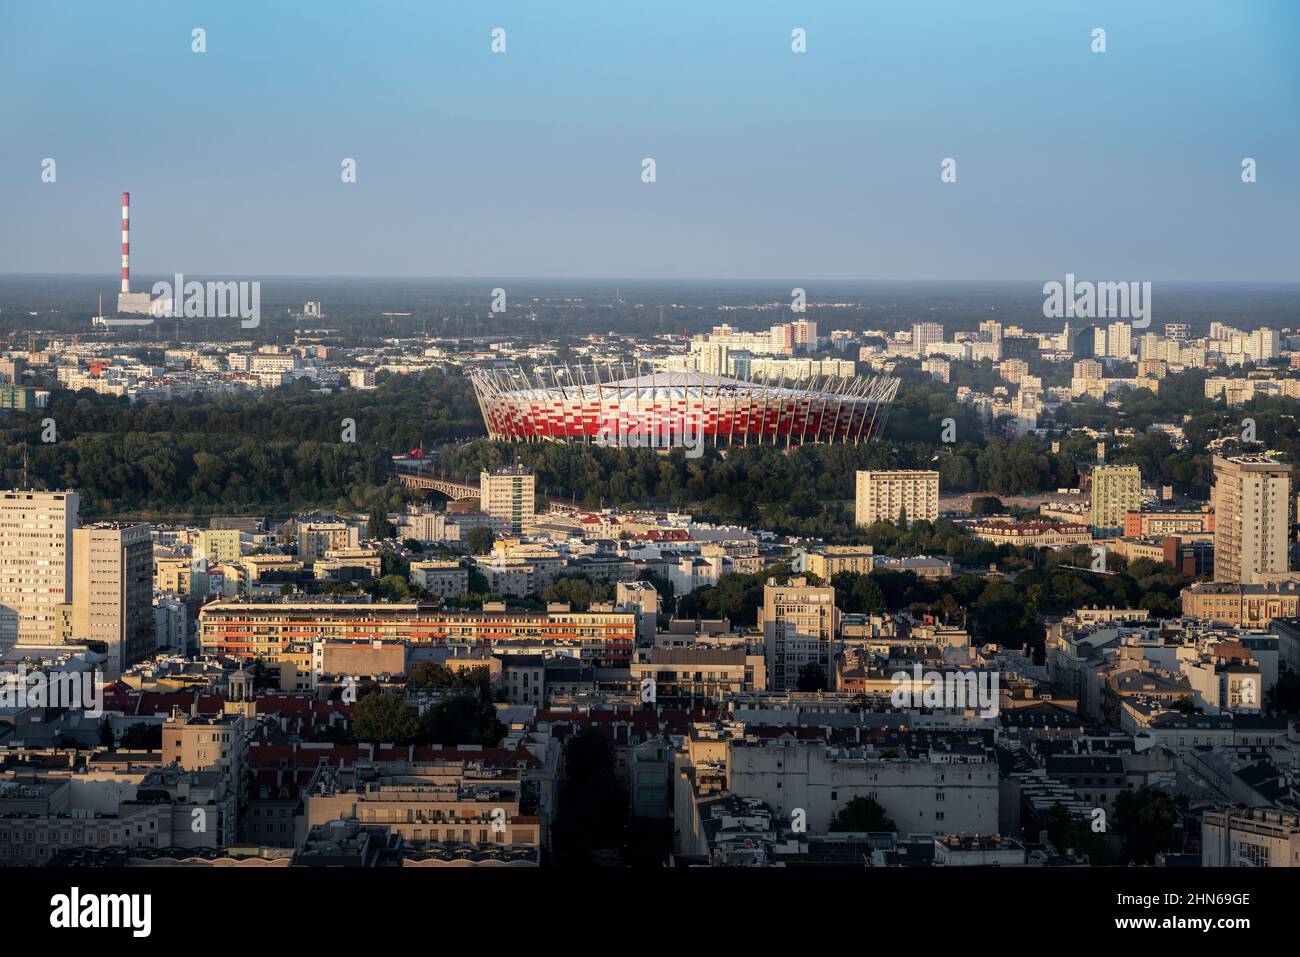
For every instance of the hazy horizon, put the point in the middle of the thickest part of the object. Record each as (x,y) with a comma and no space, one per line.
(668,305)
(822,166)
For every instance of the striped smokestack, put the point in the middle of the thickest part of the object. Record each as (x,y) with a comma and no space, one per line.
(126,243)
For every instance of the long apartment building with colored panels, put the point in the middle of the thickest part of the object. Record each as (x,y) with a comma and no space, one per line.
(263,629)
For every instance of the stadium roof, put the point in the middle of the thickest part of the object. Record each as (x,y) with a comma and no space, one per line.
(571,382)
(678,377)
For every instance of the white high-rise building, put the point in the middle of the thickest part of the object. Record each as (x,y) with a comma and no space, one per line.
(925,334)
(883,496)
(711,357)
(1265,344)
(509,495)
(1252,508)
(1119,341)
(112,591)
(35,564)
(805,333)
(799,622)
(1099,341)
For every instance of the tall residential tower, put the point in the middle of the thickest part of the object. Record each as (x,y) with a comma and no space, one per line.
(112,591)
(35,564)
(508,495)
(1252,510)
(1116,491)
(800,623)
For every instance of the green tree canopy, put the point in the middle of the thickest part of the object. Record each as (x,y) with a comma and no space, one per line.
(384,717)
(578,590)
(480,540)
(462,720)
(1145,819)
(862,814)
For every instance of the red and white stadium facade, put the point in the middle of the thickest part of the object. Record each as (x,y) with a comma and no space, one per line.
(678,409)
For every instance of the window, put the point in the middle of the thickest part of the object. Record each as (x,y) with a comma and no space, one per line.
(1253,855)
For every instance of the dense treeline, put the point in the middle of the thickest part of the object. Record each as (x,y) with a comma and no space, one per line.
(285,450)
(805,491)
(282,450)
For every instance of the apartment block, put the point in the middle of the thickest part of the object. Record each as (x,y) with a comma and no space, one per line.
(1158,522)
(218,545)
(317,538)
(883,495)
(35,564)
(509,496)
(173,575)
(19,398)
(207,743)
(958,794)
(263,630)
(45,816)
(112,591)
(441,579)
(924,335)
(430,805)
(1252,509)
(800,623)
(644,599)
(1116,491)
(171,626)
(426,525)
(701,672)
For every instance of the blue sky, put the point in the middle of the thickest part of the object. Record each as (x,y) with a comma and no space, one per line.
(770,164)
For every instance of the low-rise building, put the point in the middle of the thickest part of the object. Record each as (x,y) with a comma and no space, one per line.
(429,805)
(1229,603)
(700,672)
(1033,534)
(1250,837)
(827,561)
(442,579)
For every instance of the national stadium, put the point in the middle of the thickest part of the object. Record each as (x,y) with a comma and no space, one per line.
(678,409)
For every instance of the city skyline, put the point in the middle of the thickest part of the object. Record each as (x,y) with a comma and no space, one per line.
(593,443)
